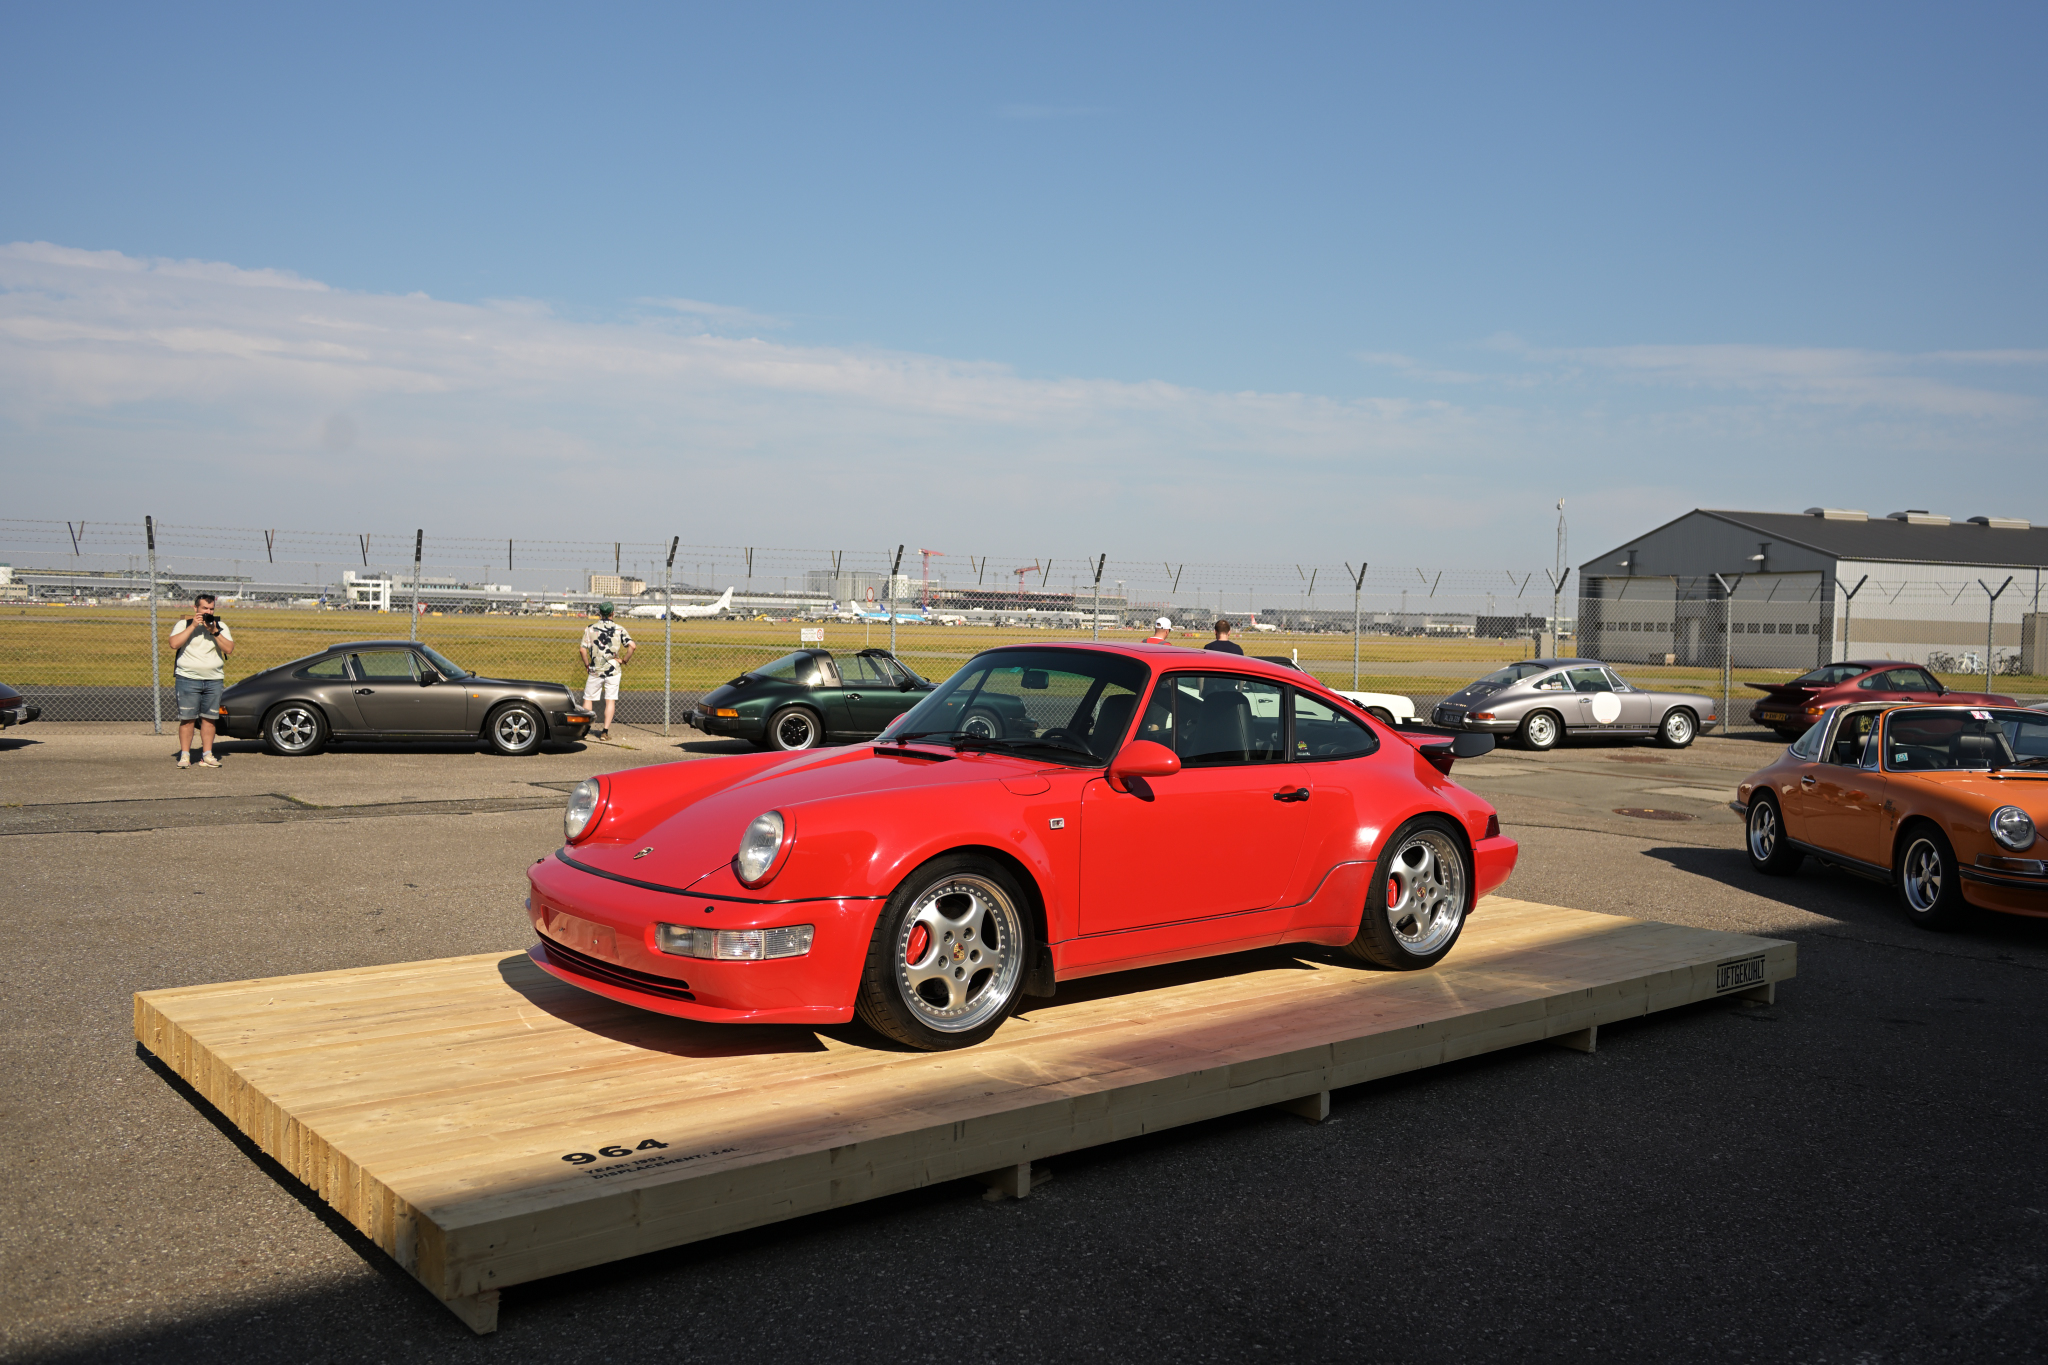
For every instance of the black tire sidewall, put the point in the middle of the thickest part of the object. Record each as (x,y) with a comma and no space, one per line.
(1556,735)
(878,1002)
(491,730)
(321,730)
(1951,909)
(775,724)
(1376,942)
(1664,729)
(1784,859)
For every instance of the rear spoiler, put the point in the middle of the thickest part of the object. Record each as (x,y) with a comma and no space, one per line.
(1441,747)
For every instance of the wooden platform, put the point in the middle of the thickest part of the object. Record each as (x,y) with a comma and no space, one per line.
(433,1103)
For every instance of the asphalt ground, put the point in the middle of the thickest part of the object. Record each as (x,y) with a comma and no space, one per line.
(1853,1174)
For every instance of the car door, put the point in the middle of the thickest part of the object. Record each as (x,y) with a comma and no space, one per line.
(869,695)
(329,684)
(1840,808)
(1595,706)
(1221,836)
(1636,704)
(392,700)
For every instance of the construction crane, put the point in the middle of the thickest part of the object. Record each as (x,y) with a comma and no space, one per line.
(927,603)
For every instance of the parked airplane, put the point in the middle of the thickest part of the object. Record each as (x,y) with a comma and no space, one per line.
(683,613)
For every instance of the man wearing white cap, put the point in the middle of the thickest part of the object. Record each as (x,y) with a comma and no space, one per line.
(1163,634)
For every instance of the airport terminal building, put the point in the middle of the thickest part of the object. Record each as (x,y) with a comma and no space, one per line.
(1797,590)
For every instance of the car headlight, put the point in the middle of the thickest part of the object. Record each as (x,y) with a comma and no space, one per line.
(761,848)
(2012,827)
(581,816)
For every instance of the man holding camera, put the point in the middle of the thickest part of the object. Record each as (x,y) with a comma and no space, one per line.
(202,643)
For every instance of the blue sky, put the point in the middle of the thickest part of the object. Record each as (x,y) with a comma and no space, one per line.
(1262,281)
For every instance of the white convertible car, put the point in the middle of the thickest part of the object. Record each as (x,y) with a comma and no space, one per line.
(1393,709)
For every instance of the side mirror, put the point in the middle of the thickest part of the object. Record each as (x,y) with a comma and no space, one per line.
(1142,758)
(428,677)
(905,685)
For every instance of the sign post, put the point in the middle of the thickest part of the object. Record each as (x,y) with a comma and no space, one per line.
(156,676)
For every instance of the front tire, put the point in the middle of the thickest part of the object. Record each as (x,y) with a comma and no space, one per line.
(982,724)
(1771,852)
(1420,895)
(1541,730)
(1678,730)
(795,727)
(1929,884)
(295,730)
(1380,714)
(948,957)
(514,730)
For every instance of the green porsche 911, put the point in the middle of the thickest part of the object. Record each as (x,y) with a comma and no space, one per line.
(808,698)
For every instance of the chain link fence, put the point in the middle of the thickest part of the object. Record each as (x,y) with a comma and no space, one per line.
(76,621)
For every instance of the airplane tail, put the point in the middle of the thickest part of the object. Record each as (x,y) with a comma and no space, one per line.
(724,603)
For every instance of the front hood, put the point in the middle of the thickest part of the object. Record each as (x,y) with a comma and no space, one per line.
(2025,788)
(523,684)
(688,817)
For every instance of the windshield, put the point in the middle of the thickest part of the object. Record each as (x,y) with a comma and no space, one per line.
(1514,673)
(1829,675)
(450,671)
(1959,739)
(1070,705)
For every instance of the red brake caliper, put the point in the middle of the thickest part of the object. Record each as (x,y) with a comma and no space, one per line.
(920,939)
(1393,890)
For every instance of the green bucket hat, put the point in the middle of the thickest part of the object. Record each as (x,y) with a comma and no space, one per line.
(604,609)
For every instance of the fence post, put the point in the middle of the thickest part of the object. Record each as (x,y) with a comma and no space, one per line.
(1727,647)
(1357,587)
(1848,610)
(419,539)
(1098,594)
(156,688)
(668,628)
(893,570)
(1990,618)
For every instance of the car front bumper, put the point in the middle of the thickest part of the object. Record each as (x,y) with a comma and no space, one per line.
(21,713)
(599,935)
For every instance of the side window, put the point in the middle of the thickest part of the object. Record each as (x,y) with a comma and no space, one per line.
(1219,719)
(1913,680)
(1851,738)
(858,671)
(1321,731)
(384,665)
(1875,682)
(1807,746)
(887,671)
(336,667)
(1615,682)
(1554,683)
(1590,680)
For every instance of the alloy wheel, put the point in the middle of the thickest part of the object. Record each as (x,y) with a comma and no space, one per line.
(1763,830)
(1678,729)
(959,952)
(1542,730)
(1426,892)
(295,728)
(514,728)
(1920,877)
(795,730)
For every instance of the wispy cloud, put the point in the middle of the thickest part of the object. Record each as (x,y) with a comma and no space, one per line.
(714,314)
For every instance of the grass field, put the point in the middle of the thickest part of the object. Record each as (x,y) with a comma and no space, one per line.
(109,646)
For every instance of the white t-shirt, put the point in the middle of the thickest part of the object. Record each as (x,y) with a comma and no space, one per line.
(605,641)
(201,657)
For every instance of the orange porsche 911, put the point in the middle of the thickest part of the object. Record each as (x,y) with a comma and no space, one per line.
(1943,802)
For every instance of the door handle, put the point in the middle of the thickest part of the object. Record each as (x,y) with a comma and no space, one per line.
(1297,794)
(1807,781)
(364,691)
(853,696)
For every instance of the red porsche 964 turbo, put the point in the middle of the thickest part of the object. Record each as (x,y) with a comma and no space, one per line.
(1049,812)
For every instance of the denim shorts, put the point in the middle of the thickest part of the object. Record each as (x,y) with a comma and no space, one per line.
(199,698)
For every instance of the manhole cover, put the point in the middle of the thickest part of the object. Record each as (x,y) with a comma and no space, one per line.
(1645,813)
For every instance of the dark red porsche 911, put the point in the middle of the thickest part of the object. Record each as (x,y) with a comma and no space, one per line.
(1049,812)
(1790,707)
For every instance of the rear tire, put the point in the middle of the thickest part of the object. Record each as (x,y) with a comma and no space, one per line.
(1679,729)
(514,729)
(1771,852)
(948,957)
(982,723)
(295,730)
(1929,884)
(795,727)
(1380,714)
(1540,732)
(1421,893)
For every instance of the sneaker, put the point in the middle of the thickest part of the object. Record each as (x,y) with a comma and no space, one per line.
(184,760)
(208,761)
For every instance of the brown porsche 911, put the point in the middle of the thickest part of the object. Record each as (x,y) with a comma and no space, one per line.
(395,689)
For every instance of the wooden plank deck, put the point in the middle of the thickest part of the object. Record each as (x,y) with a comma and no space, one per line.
(433,1103)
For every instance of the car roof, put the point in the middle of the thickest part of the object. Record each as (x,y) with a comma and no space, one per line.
(373,644)
(1166,655)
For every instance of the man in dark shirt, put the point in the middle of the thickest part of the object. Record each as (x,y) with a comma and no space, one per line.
(1223,643)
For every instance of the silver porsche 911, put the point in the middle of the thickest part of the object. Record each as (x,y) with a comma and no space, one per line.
(1540,701)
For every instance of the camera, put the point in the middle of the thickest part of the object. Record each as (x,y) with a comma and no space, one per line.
(212,621)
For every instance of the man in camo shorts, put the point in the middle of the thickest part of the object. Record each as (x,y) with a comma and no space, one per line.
(605,650)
